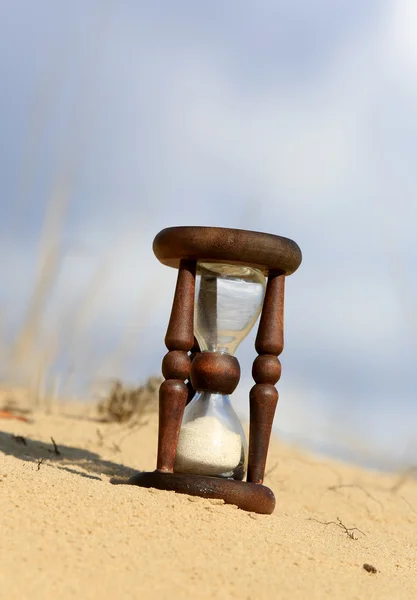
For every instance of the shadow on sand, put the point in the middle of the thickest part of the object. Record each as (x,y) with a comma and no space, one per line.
(62,457)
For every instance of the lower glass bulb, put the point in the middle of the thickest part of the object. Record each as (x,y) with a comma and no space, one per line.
(211,441)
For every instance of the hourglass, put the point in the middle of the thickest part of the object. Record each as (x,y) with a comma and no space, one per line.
(226,279)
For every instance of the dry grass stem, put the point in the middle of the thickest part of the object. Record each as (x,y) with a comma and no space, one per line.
(349,531)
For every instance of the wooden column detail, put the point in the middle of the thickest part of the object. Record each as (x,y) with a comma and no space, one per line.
(176,366)
(266,372)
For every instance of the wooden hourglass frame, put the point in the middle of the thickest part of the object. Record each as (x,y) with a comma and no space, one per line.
(184,367)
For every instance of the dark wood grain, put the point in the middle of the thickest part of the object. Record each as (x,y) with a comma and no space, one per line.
(246,496)
(180,332)
(266,372)
(270,336)
(214,372)
(173,393)
(262,403)
(252,248)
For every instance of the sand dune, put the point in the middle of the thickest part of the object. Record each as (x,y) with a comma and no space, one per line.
(66,532)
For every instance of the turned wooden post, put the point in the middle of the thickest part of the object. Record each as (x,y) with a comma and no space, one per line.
(179,340)
(266,372)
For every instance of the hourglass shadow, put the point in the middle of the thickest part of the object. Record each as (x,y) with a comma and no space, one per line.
(252,497)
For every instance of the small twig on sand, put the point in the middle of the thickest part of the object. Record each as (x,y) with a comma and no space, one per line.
(348,530)
(403,479)
(56,450)
(40,461)
(336,487)
(19,439)
(408,503)
(100,437)
(271,470)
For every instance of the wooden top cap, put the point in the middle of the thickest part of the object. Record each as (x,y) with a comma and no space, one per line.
(261,250)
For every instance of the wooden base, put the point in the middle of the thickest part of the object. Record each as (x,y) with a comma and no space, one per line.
(252,497)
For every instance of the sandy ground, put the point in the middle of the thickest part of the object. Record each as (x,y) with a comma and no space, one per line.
(66,532)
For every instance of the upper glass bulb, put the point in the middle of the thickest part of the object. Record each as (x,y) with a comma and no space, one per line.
(228,302)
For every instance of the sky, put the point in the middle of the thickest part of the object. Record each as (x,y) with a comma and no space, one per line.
(297,118)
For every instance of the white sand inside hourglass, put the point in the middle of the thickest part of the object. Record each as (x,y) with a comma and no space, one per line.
(207,447)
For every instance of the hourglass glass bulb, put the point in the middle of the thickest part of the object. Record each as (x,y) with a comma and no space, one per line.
(228,302)
(212,441)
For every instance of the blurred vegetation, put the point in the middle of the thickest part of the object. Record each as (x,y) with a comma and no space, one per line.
(123,402)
